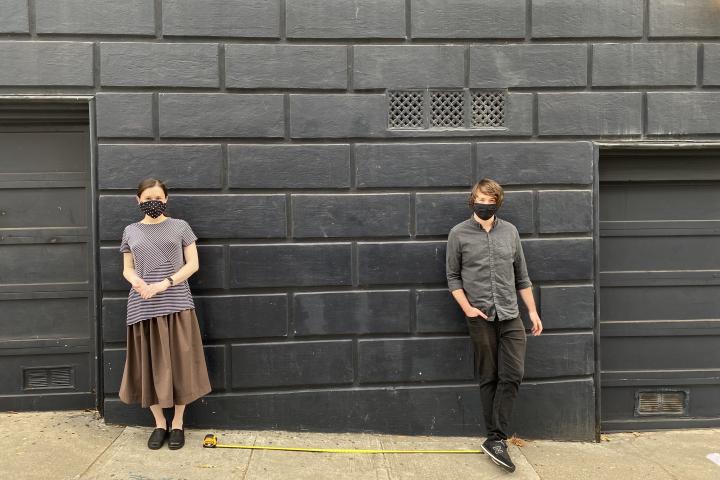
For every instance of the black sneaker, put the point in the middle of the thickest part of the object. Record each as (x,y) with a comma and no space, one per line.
(498,453)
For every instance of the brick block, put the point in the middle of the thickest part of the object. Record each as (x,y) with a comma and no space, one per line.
(221,115)
(221,18)
(567,306)
(671,18)
(140,64)
(401,262)
(359,312)
(289,166)
(536,163)
(436,311)
(528,65)
(437,213)
(242,316)
(210,216)
(291,364)
(179,166)
(216,366)
(592,113)
(587,18)
(468,18)
(345,18)
(124,115)
(565,211)
(210,275)
(111,267)
(113,365)
(711,64)
(413,165)
(414,66)
(537,409)
(683,113)
(656,64)
(285,66)
(46,64)
(312,264)
(381,215)
(114,317)
(212,261)
(559,354)
(365,115)
(559,259)
(105,17)
(232,216)
(337,115)
(415,360)
(14,18)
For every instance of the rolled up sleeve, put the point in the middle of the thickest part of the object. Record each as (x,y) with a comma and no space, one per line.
(522,279)
(453,263)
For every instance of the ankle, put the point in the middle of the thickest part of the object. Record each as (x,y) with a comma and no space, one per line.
(177,425)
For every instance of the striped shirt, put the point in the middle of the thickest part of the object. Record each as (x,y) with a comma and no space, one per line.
(157,251)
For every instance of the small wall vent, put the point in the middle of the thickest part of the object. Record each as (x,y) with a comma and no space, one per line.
(661,403)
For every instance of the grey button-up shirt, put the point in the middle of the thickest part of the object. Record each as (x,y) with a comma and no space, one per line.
(489,266)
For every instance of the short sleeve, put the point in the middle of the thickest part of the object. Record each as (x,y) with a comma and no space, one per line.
(124,247)
(188,236)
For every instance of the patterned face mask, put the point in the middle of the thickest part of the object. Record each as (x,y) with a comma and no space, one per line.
(153,208)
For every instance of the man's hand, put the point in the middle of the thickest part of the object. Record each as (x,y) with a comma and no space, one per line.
(537,326)
(473,312)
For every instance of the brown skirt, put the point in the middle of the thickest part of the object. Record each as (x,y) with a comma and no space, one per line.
(165,362)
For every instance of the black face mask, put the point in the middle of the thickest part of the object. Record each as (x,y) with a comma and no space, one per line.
(485,211)
(153,208)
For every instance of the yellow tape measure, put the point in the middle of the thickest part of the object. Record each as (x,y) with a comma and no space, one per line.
(211,441)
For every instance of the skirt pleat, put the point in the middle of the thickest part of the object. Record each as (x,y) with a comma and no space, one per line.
(165,361)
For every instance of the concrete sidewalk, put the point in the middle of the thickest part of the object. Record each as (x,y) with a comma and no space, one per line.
(79,445)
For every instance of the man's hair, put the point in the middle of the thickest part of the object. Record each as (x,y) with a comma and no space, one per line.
(488,187)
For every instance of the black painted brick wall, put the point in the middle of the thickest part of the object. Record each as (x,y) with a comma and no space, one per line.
(322,233)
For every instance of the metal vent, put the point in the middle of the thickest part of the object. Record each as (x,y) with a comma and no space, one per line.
(48,377)
(447,109)
(488,109)
(406,109)
(661,403)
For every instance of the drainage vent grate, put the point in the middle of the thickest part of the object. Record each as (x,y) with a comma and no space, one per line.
(488,109)
(48,377)
(446,109)
(406,110)
(661,403)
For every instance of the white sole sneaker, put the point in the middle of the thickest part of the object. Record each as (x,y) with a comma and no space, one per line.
(496,460)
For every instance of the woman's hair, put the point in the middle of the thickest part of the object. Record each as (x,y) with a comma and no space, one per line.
(149,183)
(488,187)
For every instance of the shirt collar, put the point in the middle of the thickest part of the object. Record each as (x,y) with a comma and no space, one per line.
(477,224)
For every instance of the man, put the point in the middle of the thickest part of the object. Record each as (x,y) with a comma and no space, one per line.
(485,267)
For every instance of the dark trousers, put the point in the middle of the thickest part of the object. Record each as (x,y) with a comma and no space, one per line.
(500,361)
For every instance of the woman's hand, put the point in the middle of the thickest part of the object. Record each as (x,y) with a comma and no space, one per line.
(139,286)
(153,289)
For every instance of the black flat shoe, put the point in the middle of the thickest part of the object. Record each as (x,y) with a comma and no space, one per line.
(157,438)
(177,438)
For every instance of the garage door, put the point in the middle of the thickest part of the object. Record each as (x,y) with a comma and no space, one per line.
(46,273)
(660,289)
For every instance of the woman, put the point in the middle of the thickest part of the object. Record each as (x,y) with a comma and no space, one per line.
(165,363)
